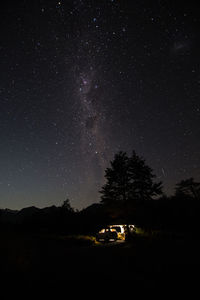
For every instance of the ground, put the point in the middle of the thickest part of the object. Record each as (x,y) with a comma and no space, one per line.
(146,260)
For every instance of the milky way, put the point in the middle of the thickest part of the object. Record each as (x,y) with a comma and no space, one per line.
(92,144)
(81,80)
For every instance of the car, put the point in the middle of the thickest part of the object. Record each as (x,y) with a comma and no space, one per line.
(107,234)
(122,230)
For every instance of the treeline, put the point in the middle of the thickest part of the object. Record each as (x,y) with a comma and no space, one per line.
(54,219)
(175,213)
(130,194)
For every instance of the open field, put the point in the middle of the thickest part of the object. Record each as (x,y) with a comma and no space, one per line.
(147,260)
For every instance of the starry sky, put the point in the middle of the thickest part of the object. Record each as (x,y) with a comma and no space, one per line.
(81,80)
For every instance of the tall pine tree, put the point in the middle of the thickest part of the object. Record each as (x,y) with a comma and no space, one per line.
(129,181)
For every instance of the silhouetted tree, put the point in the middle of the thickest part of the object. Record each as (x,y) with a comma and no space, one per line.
(129,181)
(141,177)
(189,188)
(116,187)
(67,206)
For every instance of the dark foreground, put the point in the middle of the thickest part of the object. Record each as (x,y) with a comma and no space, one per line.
(147,261)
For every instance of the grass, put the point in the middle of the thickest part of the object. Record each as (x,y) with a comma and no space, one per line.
(149,259)
(79,240)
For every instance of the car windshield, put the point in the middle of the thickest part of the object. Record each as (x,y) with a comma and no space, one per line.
(118,229)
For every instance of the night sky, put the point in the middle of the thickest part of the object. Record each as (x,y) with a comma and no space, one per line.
(81,80)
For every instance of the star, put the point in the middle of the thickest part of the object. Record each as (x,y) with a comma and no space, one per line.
(82,80)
